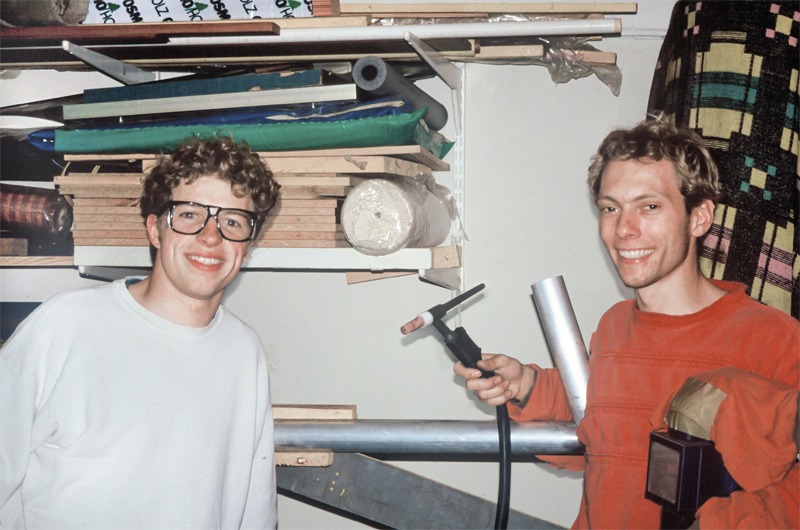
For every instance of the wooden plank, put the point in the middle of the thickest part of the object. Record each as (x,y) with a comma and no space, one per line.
(37,261)
(267,235)
(128,192)
(298,219)
(314,192)
(314,412)
(100,179)
(108,218)
(298,227)
(141,30)
(83,210)
(332,179)
(305,203)
(491,7)
(91,202)
(353,277)
(288,210)
(111,242)
(446,257)
(300,243)
(303,457)
(351,164)
(516,51)
(115,233)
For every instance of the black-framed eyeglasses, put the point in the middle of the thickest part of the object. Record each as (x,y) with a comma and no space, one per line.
(189,218)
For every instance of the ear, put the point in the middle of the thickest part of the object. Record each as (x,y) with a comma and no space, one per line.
(701,218)
(153,230)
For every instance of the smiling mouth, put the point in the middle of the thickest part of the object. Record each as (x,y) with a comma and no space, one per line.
(634,254)
(206,261)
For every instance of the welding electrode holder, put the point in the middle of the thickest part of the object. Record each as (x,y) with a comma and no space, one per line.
(462,346)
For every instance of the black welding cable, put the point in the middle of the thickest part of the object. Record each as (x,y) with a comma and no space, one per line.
(504,490)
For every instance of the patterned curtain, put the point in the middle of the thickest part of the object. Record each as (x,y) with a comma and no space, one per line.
(729,70)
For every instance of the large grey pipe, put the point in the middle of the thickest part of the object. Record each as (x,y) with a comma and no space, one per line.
(449,437)
(377,77)
(564,339)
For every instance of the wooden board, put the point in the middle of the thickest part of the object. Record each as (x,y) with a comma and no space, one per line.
(499,7)
(314,412)
(150,31)
(303,457)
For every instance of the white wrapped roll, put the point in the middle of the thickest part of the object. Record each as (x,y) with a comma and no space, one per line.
(381,216)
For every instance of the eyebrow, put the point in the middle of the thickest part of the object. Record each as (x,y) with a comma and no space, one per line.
(638,198)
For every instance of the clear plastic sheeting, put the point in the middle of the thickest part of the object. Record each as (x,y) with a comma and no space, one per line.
(382,216)
(562,56)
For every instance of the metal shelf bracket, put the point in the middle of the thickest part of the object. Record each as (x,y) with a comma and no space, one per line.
(121,71)
(446,70)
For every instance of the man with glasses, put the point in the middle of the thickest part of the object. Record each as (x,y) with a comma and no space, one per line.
(144,402)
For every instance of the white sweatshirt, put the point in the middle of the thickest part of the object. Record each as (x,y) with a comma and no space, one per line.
(113,417)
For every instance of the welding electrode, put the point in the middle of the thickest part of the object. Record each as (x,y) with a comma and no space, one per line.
(422,320)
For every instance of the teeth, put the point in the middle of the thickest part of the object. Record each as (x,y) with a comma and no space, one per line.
(634,254)
(206,261)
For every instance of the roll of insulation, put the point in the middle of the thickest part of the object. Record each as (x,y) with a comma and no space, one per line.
(377,77)
(381,216)
(33,211)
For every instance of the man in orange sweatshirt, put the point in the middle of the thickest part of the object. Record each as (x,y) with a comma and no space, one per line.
(656,189)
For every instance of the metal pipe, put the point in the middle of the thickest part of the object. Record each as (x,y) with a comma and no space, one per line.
(564,339)
(427,437)
(467,30)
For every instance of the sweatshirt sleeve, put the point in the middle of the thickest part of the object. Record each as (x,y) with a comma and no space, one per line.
(548,402)
(775,506)
(261,508)
(16,422)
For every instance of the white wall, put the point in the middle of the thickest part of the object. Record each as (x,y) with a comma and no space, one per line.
(528,217)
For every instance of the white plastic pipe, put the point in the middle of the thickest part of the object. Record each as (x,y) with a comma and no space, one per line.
(467,30)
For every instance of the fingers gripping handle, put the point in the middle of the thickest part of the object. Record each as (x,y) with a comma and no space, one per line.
(462,346)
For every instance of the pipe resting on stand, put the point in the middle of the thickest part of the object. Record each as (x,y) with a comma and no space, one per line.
(450,437)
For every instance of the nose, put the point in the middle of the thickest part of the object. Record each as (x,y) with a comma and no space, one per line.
(210,233)
(627,225)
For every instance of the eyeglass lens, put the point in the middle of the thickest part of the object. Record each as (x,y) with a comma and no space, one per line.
(190,218)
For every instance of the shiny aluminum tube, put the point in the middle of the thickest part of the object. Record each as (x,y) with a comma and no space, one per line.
(450,437)
(564,339)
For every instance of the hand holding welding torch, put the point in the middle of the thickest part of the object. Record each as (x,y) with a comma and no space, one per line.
(511,379)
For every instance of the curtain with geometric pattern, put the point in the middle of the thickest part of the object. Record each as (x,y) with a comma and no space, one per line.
(729,70)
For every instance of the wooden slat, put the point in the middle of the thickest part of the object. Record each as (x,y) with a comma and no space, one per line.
(314,412)
(490,7)
(303,457)
(37,261)
(141,30)
(353,277)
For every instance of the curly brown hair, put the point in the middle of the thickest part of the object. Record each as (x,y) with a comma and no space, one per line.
(220,157)
(656,140)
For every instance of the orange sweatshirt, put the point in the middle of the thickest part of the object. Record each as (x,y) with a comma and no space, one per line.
(638,360)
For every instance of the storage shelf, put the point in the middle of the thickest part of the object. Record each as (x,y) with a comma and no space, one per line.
(36,261)
(343,259)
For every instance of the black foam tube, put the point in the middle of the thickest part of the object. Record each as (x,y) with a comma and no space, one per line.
(375,76)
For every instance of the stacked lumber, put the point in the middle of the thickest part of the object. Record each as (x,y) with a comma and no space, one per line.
(313,186)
